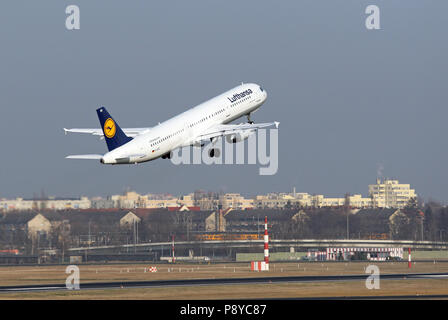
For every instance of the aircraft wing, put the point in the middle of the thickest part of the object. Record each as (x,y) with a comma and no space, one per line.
(85,156)
(130,132)
(99,156)
(221,130)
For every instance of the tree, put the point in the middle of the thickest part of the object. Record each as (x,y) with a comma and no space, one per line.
(443,223)
(404,225)
(299,225)
(412,203)
(430,224)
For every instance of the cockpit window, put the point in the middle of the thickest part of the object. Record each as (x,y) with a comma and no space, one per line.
(261,89)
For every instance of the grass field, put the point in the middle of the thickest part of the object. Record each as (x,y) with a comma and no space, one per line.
(28,275)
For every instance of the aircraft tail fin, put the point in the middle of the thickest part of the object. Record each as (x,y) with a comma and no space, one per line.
(114,136)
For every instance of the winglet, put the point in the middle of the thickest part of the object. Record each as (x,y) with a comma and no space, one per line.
(276,124)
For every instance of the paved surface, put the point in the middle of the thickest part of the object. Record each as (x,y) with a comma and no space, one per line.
(226,281)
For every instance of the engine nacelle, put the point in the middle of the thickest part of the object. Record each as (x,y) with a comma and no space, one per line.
(239,136)
(168,155)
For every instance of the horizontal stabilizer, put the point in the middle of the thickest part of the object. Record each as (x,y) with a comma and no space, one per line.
(85,156)
(131,132)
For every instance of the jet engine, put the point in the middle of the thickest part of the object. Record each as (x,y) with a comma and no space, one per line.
(239,136)
(168,155)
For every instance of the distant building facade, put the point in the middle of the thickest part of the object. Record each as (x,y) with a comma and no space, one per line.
(383,194)
(390,194)
(386,194)
(44,204)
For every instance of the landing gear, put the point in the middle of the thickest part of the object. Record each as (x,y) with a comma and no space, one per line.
(214,153)
(167,155)
(248,119)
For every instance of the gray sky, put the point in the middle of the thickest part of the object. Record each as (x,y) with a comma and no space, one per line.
(350,101)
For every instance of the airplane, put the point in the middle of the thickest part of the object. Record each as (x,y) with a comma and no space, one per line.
(205,122)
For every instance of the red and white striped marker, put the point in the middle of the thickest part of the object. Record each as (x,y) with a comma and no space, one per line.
(172,250)
(153,269)
(258,266)
(266,243)
(409,257)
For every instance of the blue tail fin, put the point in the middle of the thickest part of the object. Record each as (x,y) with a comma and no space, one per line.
(113,134)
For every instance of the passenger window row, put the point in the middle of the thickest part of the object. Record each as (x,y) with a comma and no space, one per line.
(199,121)
(208,117)
(240,101)
(167,137)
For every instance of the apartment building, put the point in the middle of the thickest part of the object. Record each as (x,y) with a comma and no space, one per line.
(390,194)
(43,204)
(384,194)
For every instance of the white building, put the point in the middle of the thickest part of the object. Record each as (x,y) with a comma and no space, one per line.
(39,204)
(390,194)
(387,194)
(15,204)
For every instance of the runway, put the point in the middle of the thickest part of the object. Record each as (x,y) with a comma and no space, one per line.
(222,281)
(379,297)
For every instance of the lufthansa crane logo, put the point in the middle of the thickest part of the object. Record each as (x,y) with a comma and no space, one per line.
(109,128)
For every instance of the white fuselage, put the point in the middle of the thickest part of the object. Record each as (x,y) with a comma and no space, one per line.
(183,128)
